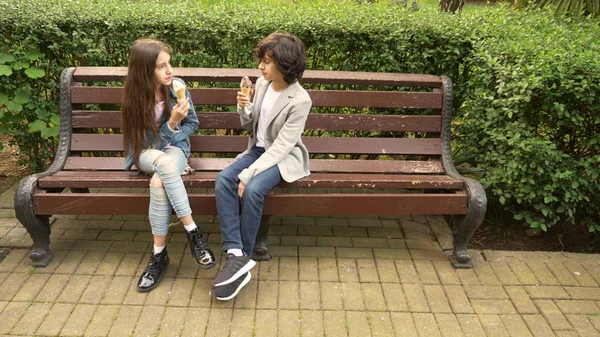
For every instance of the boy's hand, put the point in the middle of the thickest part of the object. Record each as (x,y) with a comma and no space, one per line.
(178,113)
(241,189)
(244,100)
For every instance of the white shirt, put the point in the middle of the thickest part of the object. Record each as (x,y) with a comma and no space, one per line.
(265,110)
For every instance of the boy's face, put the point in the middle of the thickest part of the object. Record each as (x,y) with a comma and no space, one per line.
(163,71)
(269,69)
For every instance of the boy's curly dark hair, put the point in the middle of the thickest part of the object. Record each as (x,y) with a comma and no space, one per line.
(287,51)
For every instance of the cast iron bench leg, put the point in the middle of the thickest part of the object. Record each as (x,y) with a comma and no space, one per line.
(261,245)
(38,226)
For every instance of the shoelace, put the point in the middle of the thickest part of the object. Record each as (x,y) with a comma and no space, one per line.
(197,240)
(153,265)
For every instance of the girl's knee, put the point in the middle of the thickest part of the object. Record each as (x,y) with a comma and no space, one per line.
(156,181)
(165,163)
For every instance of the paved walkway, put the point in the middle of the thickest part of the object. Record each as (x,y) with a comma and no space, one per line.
(329,277)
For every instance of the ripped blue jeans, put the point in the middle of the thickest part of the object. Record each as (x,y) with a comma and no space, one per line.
(167,165)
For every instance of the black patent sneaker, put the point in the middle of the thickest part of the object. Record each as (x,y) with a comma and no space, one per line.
(201,253)
(229,291)
(234,268)
(156,267)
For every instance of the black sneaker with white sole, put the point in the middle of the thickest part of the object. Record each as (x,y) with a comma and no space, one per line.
(229,291)
(234,268)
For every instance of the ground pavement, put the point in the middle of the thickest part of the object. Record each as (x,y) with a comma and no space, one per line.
(330,276)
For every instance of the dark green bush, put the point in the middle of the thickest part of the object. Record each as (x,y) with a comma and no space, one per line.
(527,93)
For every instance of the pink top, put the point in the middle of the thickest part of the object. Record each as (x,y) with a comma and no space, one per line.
(159,108)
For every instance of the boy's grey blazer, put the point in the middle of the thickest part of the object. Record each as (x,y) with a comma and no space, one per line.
(283,142)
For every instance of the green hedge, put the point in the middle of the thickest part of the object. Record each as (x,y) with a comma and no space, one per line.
(526,84)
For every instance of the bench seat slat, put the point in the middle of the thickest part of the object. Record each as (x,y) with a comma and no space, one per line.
(315,145)
(275,204)
(316,165)
(320,98)
(231,120)
(86,74)
(108,179)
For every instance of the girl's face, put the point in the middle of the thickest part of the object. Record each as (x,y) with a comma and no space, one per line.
(269,69)
(163,70)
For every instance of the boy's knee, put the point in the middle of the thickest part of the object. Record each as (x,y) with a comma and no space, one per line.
(156,182)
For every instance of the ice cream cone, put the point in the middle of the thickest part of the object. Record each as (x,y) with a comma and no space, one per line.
(246,86)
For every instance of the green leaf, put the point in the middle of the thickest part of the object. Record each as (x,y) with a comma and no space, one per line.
(575,184)
(35,72)
(37,125)
(22,96)
(5,70)
(55,119)
(14,107)
(3,98)
(518,216)
(502,200)
(4,58)
(33,55)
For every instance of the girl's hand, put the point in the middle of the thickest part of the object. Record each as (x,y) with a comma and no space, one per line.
(241,189)
(178,113)
(243,100)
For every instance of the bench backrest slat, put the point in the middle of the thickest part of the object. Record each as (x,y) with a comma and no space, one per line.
(315,145)
(231,120)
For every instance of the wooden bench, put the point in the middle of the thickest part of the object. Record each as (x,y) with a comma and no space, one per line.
(379,144)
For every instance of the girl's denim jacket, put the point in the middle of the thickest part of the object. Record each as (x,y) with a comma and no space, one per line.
(180,137)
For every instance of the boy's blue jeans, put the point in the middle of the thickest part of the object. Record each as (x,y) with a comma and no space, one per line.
(173,193)
(240,220)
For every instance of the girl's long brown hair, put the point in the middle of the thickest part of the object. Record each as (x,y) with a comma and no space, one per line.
(137,109)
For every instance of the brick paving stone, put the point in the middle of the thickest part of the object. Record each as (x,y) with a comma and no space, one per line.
(485,274)
(428,255)
(79,320)
(352,296)
(133,296)
(283,230)
(172,322)
(334,323)
(467,277)
(373,296)
(288,268)
(564,333)
(310,296)
(242,323)
(367,271)
(538,326)
(358,323)
(311,323)
(288,295)
(13,259)
(181,292)
(318,230)
(386,271)
(105,224)
(364,222)
(332,241)
(81,234)
(131,247)
(543,274)
(195,321)
(116,290)
(149,321)
(288,323)
(445,272)
(298,220)
(407,272)
(102,320)
(284,251)
(350,231)
(53,288)
(403,324)
(74,288)
(11,315)
(438,303)
(493,326)
(297,240)
(421,244)
(69,224)
(415,298)
(595,320)
(381,324)
(397,244)
(328,269)
(116,235)
(125,321)
(546,292)
(499,307)
(580,274)
(448,325)
(593,269)
(159,296)
(521,300)
(331,296)
(581,293)
(70,262)
(347,270)
(553,315)
(523,273)
(390,233)
(426,272)
(308,269)
(187,268)
(109,264)
(55,320)
(340,222)
(87,245)
(485,292)
(458,300)
(31,288)
(172,270)
(515,325)
(246,299)
(354,253)
(200,294)
(504,273)
(268,294)
(95,289)
(269,270)
(426,324)
(32,319)
(470,325)
(316,251)
(3,304)
(577,307)
(394,297)
(562,274)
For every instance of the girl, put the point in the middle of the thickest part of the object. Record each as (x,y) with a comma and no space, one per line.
(275,151)
(156,131)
